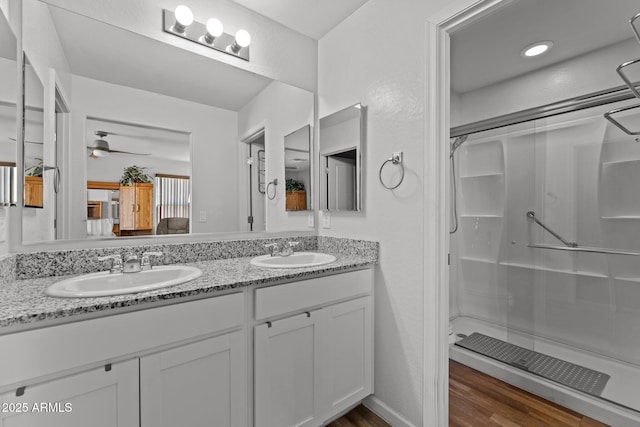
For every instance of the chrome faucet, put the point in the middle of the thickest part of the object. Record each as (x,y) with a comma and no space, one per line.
(116,262)
(288,249)
(133,264)
(145,263)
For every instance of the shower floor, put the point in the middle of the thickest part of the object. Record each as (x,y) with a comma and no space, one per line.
(619,400)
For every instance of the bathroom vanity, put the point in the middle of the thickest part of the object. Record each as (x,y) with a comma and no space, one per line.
(272,348)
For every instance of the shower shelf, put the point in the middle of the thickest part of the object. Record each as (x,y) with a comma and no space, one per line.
(554,270)
(483,216)
(628,279)
(482,175)
(620,162)
(621,217)
(479,260)
(586,249)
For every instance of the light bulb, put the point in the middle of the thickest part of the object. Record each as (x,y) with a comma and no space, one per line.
(99,153)
(243,38)
(214,27)
(184,18)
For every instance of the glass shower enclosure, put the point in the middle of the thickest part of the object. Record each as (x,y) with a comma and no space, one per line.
(545,266)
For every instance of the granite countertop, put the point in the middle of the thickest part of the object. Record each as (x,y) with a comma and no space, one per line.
(23,303)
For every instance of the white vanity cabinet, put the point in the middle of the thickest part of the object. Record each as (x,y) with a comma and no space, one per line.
(313,349)
(99,398)
(199,384)
(181,364)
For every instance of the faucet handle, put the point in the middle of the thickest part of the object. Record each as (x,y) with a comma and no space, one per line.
(272,248)
(145,262)
(116,262)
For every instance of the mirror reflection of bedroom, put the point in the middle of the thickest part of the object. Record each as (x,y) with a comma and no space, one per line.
(138,180)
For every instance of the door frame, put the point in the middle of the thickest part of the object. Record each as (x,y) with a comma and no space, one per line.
(436,201)
(259,131)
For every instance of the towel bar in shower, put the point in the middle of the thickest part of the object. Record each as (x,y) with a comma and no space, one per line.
(590,249)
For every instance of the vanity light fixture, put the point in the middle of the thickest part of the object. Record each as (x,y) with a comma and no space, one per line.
(536,49)
(181,23)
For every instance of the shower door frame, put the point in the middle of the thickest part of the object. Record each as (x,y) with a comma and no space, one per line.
(436,207)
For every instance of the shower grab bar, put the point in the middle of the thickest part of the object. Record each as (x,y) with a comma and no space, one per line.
(585,249)
(532,215)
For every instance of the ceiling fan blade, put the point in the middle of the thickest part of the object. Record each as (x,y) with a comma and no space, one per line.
(128,152)
(28,142)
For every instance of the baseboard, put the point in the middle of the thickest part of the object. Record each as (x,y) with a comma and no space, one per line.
(383,411)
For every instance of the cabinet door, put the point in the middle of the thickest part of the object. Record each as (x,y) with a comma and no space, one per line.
(97,398)
(287,371)
(200,384)
(127,207)
(349,359)
(144,207)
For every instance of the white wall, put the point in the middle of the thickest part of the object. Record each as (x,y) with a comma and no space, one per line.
(100,169)
(385,70)
(8,74)
(213,134)
(276,51)
(280,109)
(8,92)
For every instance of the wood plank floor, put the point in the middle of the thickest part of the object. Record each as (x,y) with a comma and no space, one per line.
(360,416)
(478,400)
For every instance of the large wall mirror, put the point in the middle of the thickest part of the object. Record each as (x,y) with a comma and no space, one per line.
(297,169)
(341,143)
(8,120)
(120,103)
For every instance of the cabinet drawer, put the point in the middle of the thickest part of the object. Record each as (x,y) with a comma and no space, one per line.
(42,352)
(296,296)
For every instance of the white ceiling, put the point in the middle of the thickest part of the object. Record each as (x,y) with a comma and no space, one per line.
(488,51)
(104,52)
(159,143)
(313,18)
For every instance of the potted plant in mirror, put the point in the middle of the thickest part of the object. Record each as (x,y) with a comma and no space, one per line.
(133,175)
(35,170)
(296,195)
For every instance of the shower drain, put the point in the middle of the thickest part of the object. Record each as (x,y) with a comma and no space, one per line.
(558,370)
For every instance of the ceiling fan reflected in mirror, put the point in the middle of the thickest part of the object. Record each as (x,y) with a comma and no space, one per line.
(28,142)
(101,148)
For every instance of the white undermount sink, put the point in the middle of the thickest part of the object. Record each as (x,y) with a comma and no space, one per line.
(105,283)
(296,260)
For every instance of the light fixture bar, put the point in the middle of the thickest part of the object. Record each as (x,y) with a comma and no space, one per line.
(196,32)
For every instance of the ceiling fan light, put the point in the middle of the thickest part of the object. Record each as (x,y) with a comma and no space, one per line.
(99,153)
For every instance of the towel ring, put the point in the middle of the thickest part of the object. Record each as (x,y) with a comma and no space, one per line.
(396,159)
(269,184)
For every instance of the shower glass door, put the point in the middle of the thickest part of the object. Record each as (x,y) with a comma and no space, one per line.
(548,247)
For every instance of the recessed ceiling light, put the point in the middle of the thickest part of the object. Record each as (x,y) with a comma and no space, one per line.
(536,49)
